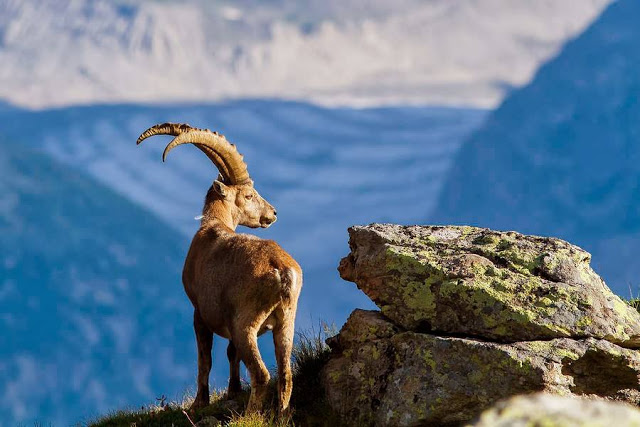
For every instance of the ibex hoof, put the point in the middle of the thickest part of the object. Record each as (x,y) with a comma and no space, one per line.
(284,413)
(199,404)
(253,407)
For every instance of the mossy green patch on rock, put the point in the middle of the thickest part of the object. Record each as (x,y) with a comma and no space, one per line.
(419,297)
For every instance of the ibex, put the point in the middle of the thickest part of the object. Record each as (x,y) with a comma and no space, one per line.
(240,286)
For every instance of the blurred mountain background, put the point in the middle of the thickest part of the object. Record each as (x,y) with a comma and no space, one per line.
(79,287)
(561,156)
(347,112)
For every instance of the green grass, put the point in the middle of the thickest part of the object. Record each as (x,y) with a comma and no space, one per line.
(310,354)
(309,406)
(169,414)
(635,303)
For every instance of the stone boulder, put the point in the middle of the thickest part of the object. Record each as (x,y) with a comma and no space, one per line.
(382,375)
(471,316)
(548,410)
(502,286)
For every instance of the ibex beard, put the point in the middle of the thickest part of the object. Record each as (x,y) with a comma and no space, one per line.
(240,286)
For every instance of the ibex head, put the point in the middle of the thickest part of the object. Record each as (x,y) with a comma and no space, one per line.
(243,201)
(233,187)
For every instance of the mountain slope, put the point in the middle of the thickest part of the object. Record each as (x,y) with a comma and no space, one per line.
(439,52)
(91,306)
(561,156)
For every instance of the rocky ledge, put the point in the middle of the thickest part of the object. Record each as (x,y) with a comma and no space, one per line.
(470,316)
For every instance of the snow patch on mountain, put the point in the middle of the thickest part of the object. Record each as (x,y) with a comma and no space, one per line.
(335,52)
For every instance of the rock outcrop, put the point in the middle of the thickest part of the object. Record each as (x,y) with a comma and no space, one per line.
(470,316)
(544,409)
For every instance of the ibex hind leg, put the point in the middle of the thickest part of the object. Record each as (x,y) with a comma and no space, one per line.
(204,338)
(283,343)
(283,336)
(234,371)
(246,343)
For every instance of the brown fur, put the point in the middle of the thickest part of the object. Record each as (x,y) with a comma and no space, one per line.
(241,286)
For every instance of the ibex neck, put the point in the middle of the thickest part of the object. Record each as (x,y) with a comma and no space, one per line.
(219,213)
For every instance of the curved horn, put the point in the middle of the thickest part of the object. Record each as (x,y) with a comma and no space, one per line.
(223,155)
(237,168)
(174,129)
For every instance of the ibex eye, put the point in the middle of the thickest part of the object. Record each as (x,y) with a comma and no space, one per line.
(249,196)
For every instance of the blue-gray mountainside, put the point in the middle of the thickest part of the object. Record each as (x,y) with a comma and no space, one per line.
(561,157)
(84,275)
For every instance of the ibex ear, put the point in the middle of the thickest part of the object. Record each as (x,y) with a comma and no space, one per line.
(220,188)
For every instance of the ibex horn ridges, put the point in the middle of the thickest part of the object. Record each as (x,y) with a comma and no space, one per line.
(224,155)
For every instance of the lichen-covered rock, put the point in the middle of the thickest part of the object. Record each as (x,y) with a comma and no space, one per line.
(542,409)
(470,316)
(501,286)
(381,375)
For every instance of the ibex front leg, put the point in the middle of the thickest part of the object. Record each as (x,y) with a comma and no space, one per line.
(204,337)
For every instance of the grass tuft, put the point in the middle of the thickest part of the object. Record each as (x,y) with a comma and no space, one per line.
(310,355)
(257,420)
(635,303)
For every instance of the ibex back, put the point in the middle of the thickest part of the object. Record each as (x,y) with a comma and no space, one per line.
(240,286)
